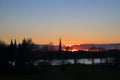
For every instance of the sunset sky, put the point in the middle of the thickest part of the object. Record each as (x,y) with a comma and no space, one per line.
(75,21)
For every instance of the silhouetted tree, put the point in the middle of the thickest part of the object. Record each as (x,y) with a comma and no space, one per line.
(24,57)
(12,53)
(67,48)
(4,61)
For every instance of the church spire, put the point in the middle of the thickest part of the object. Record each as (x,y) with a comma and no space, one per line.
(11,42)
(60,45)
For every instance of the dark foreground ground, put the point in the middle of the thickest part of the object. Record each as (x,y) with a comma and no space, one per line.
(70,72)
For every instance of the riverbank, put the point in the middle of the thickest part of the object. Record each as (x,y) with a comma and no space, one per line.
(70,72)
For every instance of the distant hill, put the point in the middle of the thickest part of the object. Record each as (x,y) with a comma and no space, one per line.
(104,46)
(46,47)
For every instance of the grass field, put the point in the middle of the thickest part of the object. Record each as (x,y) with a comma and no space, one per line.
(70,72)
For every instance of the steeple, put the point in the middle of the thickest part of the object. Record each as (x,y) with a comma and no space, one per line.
(60,45)
(11,43)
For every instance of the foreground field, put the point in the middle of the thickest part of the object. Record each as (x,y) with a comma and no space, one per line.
(70,72)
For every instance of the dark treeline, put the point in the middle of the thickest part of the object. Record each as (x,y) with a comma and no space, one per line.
(16,58)
(20,58)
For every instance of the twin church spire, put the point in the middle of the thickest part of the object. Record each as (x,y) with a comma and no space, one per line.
(13,43)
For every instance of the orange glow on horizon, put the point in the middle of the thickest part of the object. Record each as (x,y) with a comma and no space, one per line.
(73,50)
(64,42)
(71,42)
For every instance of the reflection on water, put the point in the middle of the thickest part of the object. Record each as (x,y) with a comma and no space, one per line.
(70,61)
